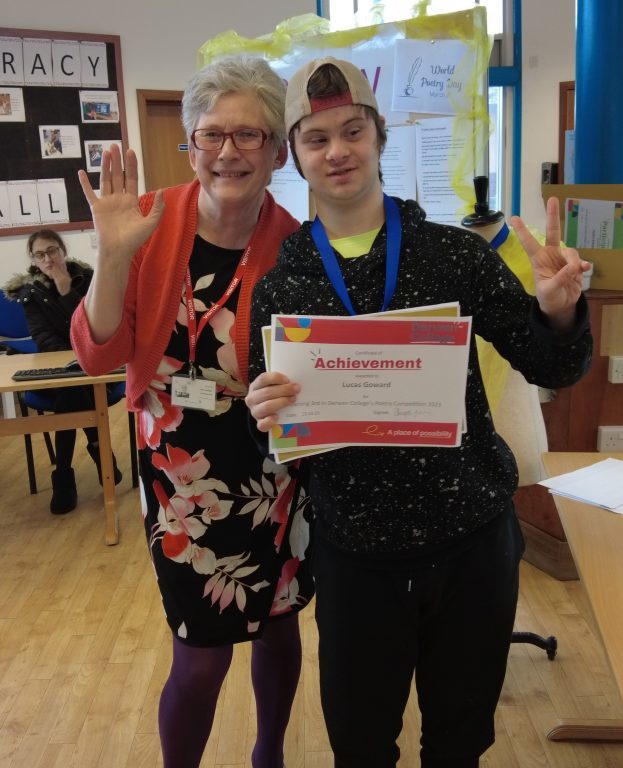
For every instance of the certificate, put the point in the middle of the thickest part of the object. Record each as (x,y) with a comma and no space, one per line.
(389,380)
(447,309)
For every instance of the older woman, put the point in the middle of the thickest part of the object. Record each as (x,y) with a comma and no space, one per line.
(171,298)
(49,293)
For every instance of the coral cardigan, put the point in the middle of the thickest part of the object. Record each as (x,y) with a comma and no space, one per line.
(154,288)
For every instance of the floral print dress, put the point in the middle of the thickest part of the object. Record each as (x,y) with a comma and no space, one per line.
(227,549)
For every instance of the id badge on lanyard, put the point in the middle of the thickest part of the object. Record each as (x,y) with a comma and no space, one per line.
(194,391)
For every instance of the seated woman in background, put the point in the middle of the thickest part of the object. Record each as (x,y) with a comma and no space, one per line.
(49,293)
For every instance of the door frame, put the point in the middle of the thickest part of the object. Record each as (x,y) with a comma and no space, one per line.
(566,101)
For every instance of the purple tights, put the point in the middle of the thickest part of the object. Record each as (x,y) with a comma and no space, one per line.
(189,696)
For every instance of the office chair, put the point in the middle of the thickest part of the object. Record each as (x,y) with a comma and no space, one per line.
(41,401)
(548,644)
(15,336)
(14,333)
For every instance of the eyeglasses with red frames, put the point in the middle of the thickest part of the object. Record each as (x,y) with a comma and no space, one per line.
(245,139)
(51,252)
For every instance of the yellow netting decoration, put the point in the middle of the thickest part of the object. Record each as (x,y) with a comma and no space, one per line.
(275,45)
(494,368)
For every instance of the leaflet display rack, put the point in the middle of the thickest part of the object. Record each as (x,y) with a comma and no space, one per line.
(607,262)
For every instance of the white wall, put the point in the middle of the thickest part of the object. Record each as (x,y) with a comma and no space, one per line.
(548,59)
(159,44)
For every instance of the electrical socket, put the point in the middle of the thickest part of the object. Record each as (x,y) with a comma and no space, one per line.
(615,369)
(610,438)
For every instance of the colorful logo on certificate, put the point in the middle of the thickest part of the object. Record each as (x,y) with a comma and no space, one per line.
(293,329)
(287,435)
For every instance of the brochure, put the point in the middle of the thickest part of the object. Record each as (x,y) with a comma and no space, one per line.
(593,223)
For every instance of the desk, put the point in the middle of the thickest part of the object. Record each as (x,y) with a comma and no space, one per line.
(595,537)
(21,425)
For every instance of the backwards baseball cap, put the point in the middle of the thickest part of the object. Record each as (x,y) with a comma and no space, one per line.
(300,105)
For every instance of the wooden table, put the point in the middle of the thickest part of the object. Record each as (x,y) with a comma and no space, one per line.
(595,537)
(21,425)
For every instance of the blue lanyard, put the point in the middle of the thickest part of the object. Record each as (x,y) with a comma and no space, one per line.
(392,260)
(500,237)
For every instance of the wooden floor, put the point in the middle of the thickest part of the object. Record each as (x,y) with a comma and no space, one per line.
(84,649)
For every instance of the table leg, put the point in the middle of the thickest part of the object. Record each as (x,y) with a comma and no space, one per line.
(8,405)
(108,480)
(577,729)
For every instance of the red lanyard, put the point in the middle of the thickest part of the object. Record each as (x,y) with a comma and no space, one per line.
(193,331)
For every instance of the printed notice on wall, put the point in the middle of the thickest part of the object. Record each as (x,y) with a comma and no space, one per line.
(94,150)
(98,106)
(5,211)
(59,141)
(398,162)
(12,105)
(432,77)
(35,61)
(377,64)
(29,202)
(52,199)
(440,147)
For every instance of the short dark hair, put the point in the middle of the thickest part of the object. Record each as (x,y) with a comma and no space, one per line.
(329,81)
(46,234)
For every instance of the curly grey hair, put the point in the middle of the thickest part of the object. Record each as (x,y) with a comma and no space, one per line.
(232,75)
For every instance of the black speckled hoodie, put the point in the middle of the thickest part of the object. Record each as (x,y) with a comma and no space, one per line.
(385,501)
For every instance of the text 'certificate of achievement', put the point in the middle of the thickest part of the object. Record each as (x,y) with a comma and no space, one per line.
(396,381)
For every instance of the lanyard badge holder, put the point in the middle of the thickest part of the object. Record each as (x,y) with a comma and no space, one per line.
(194,391)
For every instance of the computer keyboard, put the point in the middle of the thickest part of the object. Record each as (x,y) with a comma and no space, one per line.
(34,374)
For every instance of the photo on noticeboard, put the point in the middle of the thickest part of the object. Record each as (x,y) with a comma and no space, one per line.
(99,106)
(94,150)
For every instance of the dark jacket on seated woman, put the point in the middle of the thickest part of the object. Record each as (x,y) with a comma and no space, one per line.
(47,312)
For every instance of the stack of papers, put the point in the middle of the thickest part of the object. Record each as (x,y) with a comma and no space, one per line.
(394,379)
(599,484)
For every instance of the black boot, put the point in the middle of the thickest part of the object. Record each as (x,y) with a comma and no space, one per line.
(94,453)
(64,492)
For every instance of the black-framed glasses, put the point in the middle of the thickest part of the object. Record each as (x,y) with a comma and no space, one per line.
(245,139)
(51,252)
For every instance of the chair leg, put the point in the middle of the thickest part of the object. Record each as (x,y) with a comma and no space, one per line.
(548,644)
(133,453)
(48,444)
(50,447)
(30,462)
(32,478)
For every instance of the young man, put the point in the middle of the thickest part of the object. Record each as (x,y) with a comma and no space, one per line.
(416,550)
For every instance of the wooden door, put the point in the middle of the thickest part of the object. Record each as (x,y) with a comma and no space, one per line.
(163,140)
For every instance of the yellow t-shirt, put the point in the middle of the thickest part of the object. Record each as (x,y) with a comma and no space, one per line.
(355,245)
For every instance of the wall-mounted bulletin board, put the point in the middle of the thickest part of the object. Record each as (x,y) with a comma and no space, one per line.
(61,106)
